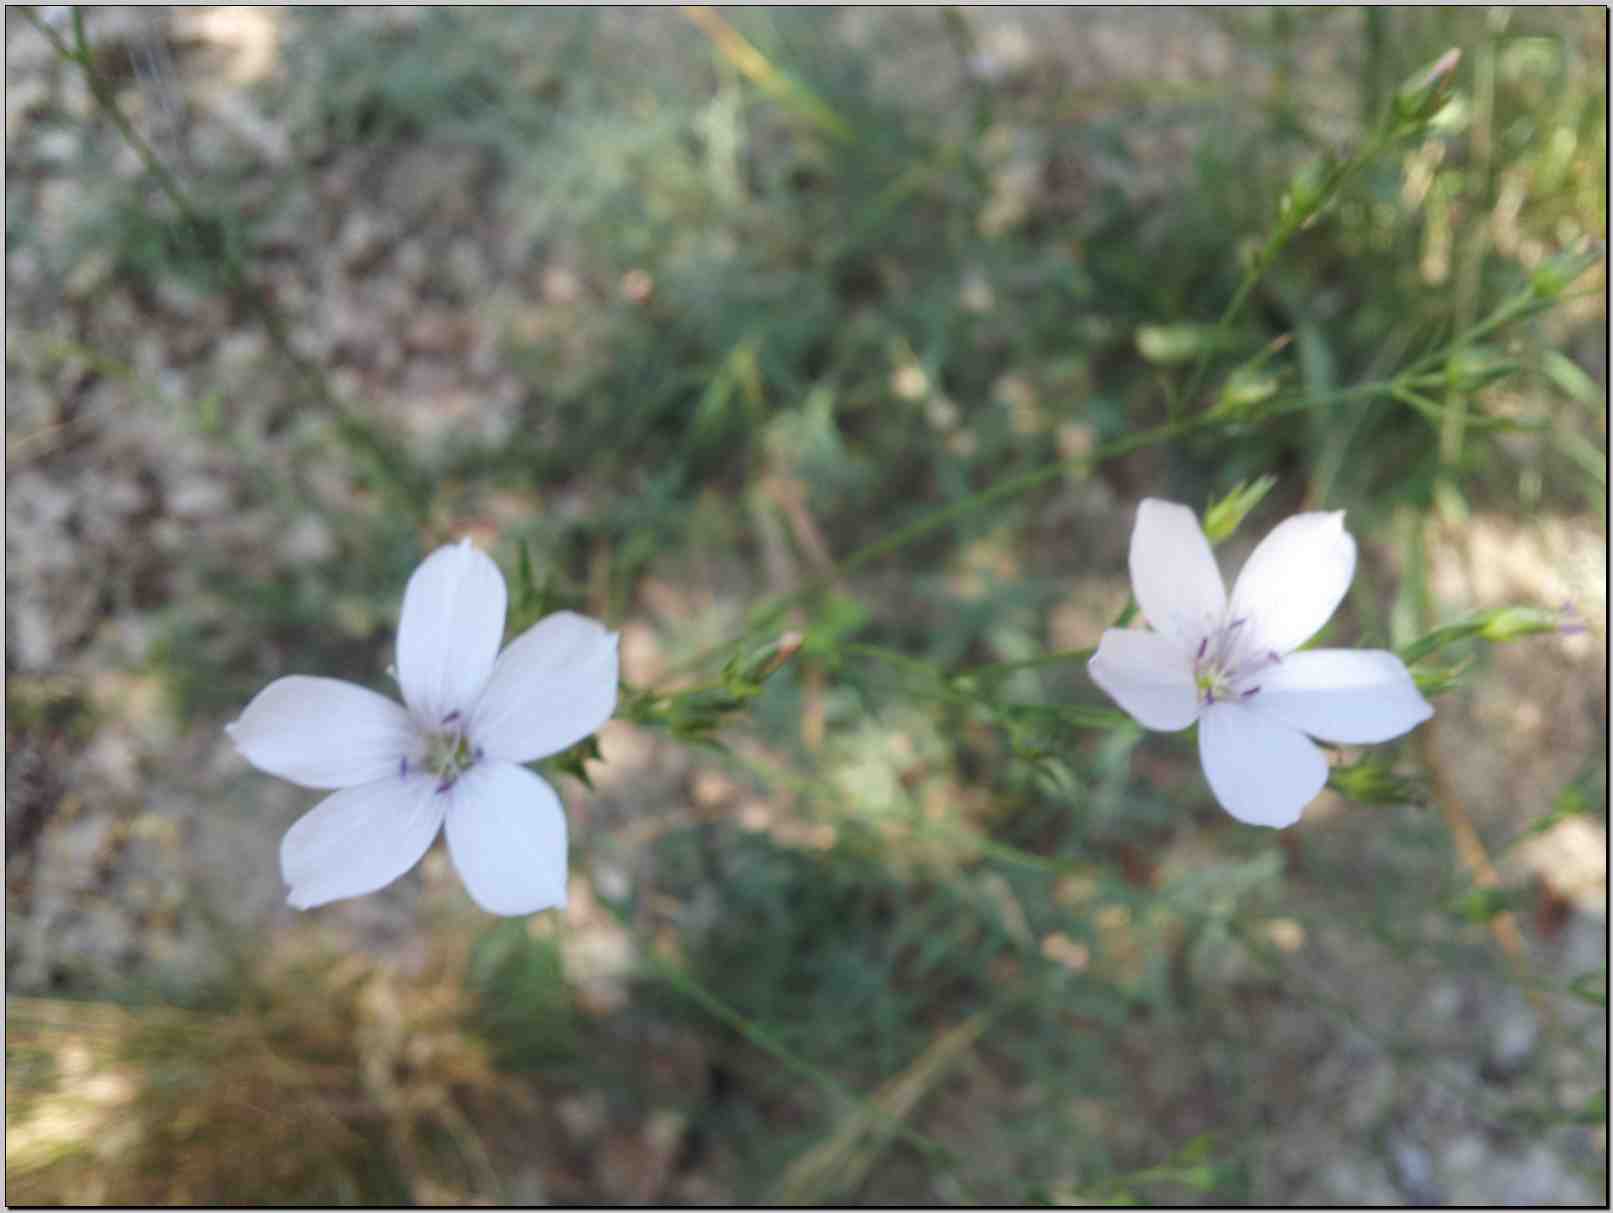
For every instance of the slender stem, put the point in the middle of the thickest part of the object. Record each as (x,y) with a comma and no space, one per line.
(1056,657)
(1470,1094)
(358,434)
(1267,257)
(943,516)
(688,985)
(1503,926)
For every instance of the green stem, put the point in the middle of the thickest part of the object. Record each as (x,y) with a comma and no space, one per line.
(358,434)
(1285,231)
(771,611)
(681,980)
(1056,657)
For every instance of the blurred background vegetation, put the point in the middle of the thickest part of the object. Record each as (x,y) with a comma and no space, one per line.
(681,314)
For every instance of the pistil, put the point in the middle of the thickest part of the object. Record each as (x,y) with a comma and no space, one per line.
(1224,663)
(449,752)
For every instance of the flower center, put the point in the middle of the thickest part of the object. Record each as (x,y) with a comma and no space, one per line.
(449,752)
(1226,660)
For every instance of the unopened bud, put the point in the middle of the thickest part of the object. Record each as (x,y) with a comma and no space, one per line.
(1244,391)
(1168,344)
(1372,782)
(751,671)
(1227,515)
(1424,94)
(1435,680)
(1468,370)
(1509,623)
(1553,275)
(1307,191)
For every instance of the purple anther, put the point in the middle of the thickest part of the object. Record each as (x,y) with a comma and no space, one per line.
(403,766)
(444,786)
(1248,692)
(1203,644)
(451,717)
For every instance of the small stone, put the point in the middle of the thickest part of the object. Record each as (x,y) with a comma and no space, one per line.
(308,541)
(467,267)
(1370,1092)
(362,241)
(25,97)
(57,147)
(89,275)
(582,1116)
(1413,1171)
(1513,1034)
(199,497)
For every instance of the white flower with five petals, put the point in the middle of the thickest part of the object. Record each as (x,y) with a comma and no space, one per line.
(1232,665)
(451,759)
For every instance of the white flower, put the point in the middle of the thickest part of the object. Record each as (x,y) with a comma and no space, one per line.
(451,759)
(1232,665)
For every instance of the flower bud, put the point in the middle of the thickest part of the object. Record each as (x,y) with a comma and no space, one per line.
(1553,275)
(1434,680)
(1509,623)
(1373,782)
(1244,391)
(745,675)
(1468,370)
(1307,191)
(1424,94)
(1169,344)
(1224,517)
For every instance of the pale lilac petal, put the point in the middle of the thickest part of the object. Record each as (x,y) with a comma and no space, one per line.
(449,632)
(1262,772)
(360,839)
(1173,573)
(1149,675)
(1349,696)
(508,839)
(324,733)
(552,687)
(1295,580)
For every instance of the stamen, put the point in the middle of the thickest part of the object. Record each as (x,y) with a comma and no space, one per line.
(403,766)
(451,717)
(1249,692)
(1203,644)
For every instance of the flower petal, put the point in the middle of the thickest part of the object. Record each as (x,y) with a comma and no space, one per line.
(449,632)
(508,839)
(1261,772)
(361,839)
(552,687)
(1149,675)
(1350,696)
(1173,573)
(1295,580)
(324,733)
